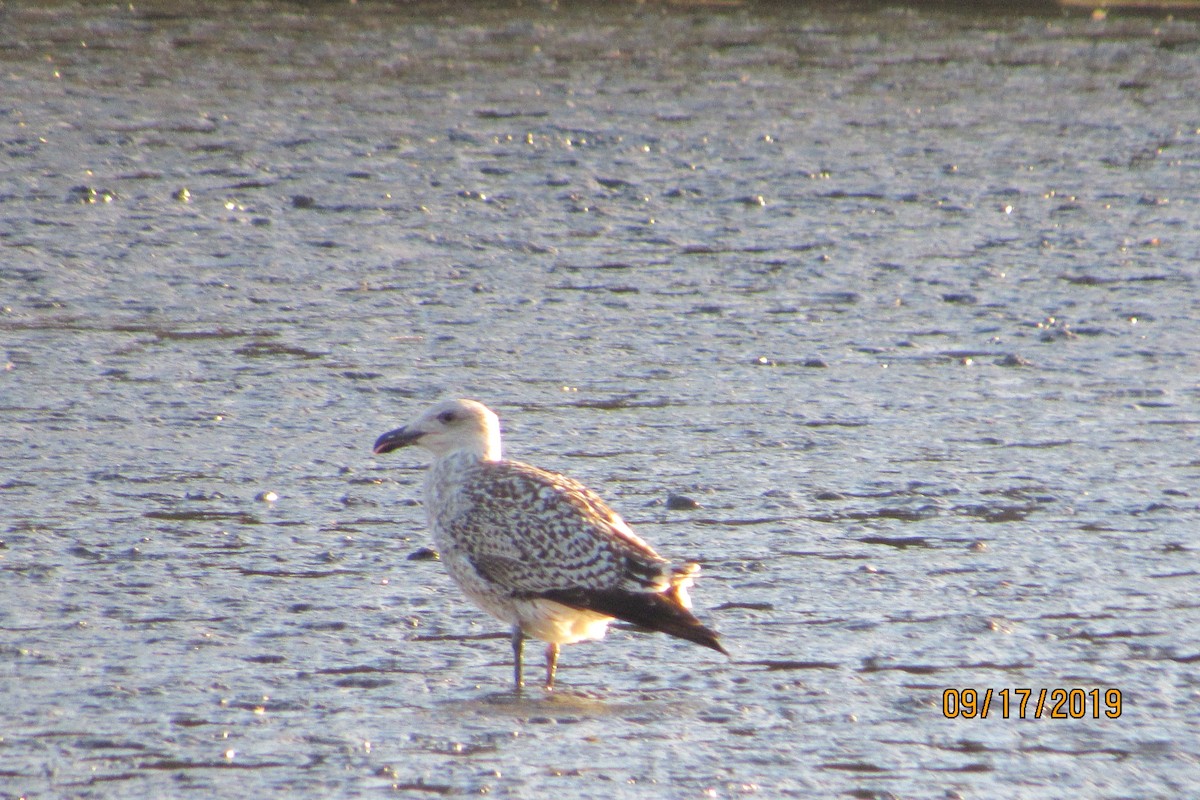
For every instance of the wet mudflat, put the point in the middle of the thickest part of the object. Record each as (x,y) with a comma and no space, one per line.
(905,300)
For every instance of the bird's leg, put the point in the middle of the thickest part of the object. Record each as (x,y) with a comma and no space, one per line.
(518,644)
(551,664)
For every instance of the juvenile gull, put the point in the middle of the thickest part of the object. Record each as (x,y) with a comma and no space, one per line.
(536,549)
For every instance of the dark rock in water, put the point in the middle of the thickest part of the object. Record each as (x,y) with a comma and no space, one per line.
(90,196)
(424,554)
(679,502)
(202,495)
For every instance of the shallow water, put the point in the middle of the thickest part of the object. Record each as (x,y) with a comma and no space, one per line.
(905,299)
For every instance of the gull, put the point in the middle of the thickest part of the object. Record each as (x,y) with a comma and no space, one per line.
(535,549)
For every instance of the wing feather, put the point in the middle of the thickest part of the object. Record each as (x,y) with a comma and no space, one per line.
(531,531)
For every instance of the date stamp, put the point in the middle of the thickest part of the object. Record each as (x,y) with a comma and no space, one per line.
(1031,703)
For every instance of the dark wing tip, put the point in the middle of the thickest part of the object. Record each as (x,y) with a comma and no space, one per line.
(701,635)
(715,643)
(655,611)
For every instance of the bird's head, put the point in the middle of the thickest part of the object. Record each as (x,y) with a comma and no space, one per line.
(447,427)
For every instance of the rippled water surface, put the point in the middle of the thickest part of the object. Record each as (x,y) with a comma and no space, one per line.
(906,300)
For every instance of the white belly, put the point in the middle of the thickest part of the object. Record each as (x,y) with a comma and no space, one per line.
(543,619)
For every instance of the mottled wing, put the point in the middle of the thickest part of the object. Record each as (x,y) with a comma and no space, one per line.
(534,533)
(531,531)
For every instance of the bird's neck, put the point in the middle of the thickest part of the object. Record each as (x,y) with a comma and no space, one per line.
(490,450)
(448,472)
(447,467)
(468,456)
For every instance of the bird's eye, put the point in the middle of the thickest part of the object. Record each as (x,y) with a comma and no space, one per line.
(446,417)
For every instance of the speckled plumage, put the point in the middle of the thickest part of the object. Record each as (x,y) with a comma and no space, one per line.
(536,549)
